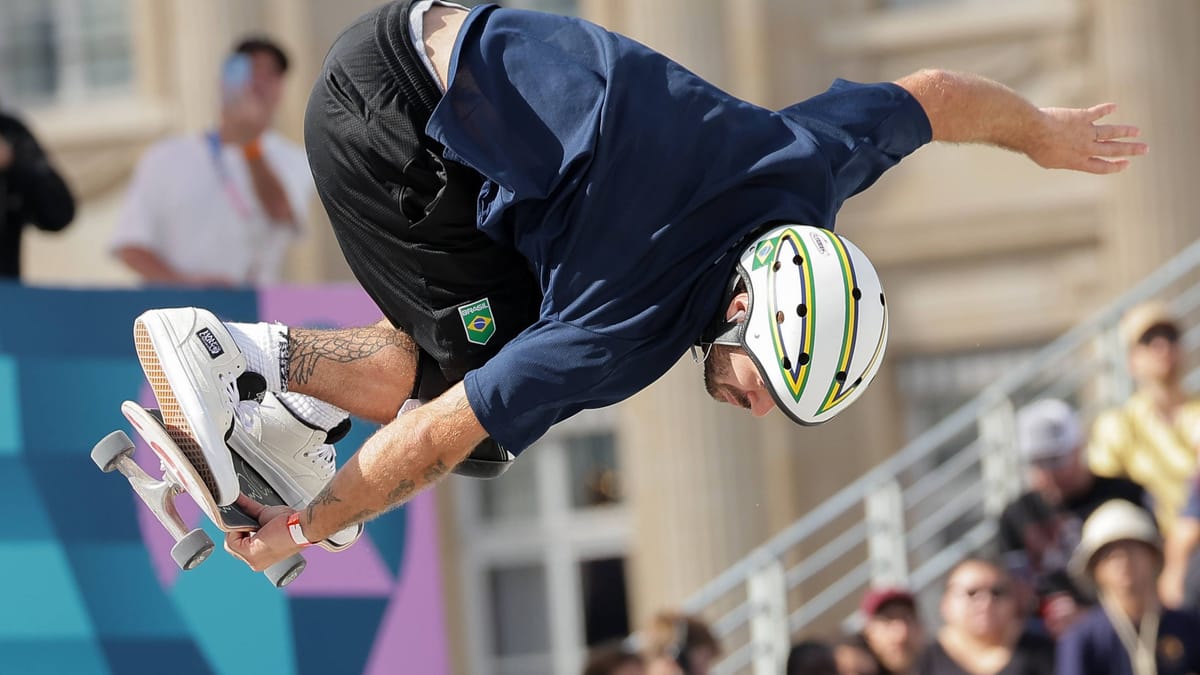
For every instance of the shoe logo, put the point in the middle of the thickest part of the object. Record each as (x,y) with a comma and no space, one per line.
(210,342)
(478,321)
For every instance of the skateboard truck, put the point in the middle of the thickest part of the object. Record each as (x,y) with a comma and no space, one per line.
(115,453)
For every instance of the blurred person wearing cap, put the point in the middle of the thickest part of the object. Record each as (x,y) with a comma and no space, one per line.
(1179,584)
(678,644)
(1153,438)
(892,630)
(983,631)
(1129,633)
(1039,530)
(220,208)
(31,193)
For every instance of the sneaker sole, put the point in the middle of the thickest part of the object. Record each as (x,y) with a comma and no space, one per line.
(174,418)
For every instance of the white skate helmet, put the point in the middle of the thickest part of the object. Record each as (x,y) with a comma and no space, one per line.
(817,322)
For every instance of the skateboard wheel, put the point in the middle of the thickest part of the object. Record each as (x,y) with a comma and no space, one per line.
(285,572)
(110,449)
(193,549)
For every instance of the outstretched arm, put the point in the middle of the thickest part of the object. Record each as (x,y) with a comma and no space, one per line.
(965,108)
(405,456)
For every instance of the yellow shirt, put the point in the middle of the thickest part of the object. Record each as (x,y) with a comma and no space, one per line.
(1136,442)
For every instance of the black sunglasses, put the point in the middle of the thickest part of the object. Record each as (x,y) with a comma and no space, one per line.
(1161,330)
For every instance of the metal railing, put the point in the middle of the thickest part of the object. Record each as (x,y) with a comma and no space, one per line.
(934,501)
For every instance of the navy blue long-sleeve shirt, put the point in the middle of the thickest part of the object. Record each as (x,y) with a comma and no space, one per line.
(627,181)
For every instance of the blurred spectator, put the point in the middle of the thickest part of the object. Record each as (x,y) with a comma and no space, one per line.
(1179,584)
(31,193)
(613,659)
(1153,438)
(811,657)
(891,629)
(853,657)
(983,631)
(677,644)
(1041,528)
(221,208)
(1129,633)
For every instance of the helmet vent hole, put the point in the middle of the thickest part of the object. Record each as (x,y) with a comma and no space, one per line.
(779,316)
(802,359)
(841,376)
(881,299)
(857,294)
(797,261)
(787,363)
(776,266)
(802,310)
(856,383)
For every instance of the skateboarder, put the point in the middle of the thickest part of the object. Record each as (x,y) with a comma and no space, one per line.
(549,215)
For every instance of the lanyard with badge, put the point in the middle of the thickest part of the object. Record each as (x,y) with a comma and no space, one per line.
(235,196)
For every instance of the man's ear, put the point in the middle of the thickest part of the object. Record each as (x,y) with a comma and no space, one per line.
(739,308)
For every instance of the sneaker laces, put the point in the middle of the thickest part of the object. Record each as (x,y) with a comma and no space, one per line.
(323,456)
(241,414)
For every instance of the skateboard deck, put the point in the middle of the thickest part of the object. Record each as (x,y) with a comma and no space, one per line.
(148,422)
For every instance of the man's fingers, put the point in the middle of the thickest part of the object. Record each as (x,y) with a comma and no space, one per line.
(236,543)
(1097,111)
(1120,149)
(1108,132)
(1098,165)
(251,507)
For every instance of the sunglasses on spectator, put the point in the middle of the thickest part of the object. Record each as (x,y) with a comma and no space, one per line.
(1163,330)
(995,592)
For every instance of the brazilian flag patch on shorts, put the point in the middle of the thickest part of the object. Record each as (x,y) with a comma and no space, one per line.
(478,321)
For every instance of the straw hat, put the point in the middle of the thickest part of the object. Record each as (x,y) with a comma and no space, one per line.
(1115,520)
(1141,318)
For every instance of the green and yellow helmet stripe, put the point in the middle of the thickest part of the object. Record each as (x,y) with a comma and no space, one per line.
(839,390)
(796,376)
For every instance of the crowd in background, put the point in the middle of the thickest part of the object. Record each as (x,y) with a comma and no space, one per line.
(1095,569)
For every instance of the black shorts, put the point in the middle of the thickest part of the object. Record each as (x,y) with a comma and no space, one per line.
(404,216)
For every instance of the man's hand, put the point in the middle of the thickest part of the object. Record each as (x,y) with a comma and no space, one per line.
(6,154)
(270,544)
(965,108)
(1072,139)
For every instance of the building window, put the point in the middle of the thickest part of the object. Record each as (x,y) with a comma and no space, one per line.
(543,553)
(64,51)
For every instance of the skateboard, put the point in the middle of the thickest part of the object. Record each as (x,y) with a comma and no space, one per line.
(115,453)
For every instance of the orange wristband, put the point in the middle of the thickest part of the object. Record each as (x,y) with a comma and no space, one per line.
(252,151)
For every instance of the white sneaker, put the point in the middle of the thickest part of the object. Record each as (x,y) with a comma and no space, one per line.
(193,364)
(293,457)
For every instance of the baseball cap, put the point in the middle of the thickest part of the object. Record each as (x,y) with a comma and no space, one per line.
(1047,429)
(1141,318)
(1114,520)
(875,598)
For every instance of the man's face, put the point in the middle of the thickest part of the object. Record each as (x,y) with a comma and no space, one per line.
(730,375)
(895,636)
(1126,567)
(1155,357)
(980,601)
(266,80)
(1051,477)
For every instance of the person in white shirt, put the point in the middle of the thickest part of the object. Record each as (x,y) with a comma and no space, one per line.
(220,208)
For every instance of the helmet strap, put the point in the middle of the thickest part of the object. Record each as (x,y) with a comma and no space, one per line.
(723,331)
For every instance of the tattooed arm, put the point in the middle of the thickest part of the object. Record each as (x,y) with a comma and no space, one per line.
(368,371)
(405,456)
